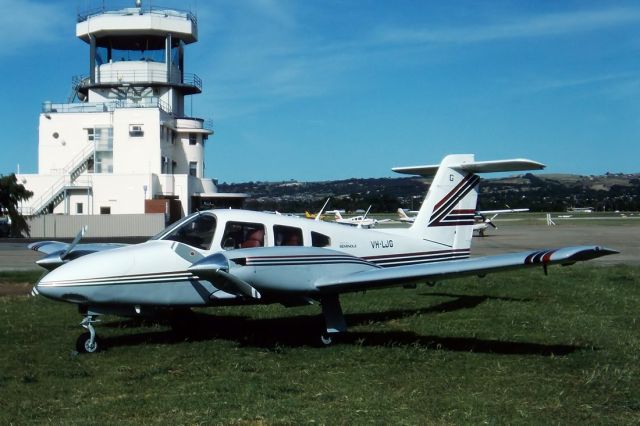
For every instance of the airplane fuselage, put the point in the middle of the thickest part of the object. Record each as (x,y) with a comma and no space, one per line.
(323,247)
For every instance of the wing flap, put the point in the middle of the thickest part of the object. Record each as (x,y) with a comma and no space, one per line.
(411,274)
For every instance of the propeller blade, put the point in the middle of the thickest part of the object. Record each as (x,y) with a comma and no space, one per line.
(75,242)
(58,258)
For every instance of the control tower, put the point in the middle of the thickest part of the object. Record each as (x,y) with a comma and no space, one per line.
(123,142)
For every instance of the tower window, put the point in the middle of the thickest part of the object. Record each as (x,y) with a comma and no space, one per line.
(79,208)
(193,139)
(164,166)
(193,168)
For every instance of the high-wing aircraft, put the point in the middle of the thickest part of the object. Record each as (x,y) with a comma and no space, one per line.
(361,221)
(235,257)
(482,222)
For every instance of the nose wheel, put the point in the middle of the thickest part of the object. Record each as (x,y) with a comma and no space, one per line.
(88,342)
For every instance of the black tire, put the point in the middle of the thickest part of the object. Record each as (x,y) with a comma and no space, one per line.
(82,344)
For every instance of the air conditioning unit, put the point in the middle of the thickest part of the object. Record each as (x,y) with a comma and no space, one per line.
(135,130)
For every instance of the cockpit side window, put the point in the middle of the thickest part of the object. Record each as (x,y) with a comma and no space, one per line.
(242,235)
(287,235)
(196,233)
(319,240)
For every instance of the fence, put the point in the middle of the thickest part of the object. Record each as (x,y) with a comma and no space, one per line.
(99,226)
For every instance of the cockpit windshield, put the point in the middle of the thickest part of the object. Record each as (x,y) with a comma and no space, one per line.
(196,231)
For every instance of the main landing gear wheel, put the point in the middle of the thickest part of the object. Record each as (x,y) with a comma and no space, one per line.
(326,339)
(85,345)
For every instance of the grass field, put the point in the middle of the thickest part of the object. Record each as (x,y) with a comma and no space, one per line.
(515,347)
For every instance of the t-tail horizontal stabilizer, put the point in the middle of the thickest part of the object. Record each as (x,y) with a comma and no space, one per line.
(516,164)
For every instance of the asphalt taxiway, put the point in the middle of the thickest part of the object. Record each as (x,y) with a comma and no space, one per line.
(511,236)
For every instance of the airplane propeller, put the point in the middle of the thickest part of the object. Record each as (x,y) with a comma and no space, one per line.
(488,221)
(57,258)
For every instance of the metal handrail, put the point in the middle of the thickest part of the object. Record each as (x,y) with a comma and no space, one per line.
(153,102)
(61,183)
(137,76)
(153,10)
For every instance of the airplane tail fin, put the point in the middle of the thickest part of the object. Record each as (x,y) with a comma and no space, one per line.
(446,216)
(337,214)
(402,214)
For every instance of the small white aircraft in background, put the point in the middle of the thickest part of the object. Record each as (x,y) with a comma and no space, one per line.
(236,257)
(360,221)
(481,222)
(404,217)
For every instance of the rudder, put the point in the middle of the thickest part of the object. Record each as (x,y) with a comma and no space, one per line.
(447,213)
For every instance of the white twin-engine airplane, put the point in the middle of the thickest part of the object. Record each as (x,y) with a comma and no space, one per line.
(234,257)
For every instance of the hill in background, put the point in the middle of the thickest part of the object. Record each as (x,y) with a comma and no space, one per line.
(540,192)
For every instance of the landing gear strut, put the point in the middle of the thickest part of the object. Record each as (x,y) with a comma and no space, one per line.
(88,342)
(333,317)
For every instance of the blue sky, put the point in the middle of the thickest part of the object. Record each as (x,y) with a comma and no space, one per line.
(332,89)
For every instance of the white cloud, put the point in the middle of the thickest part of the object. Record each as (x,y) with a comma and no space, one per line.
(263,57)
(520,27)
(28,23)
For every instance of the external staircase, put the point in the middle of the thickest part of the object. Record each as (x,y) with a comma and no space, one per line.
(69,180)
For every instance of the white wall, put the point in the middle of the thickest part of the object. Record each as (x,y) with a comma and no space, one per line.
(133,155)
(55,154)
(130,225)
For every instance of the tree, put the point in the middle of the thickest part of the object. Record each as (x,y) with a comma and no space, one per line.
(11,193)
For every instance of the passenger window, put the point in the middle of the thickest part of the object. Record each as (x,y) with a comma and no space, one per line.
(196,233)
(320,240)
(287,235)
(242,235)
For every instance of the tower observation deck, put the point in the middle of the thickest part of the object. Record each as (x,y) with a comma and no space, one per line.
(124,142)
(138,52)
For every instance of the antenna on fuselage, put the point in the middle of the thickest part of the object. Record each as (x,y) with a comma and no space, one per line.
(319,215)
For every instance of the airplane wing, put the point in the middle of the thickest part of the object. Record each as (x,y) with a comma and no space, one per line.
(58,253)
(501,211)
(48,247)
(411,274)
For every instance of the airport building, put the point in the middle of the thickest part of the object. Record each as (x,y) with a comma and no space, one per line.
(123,143)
